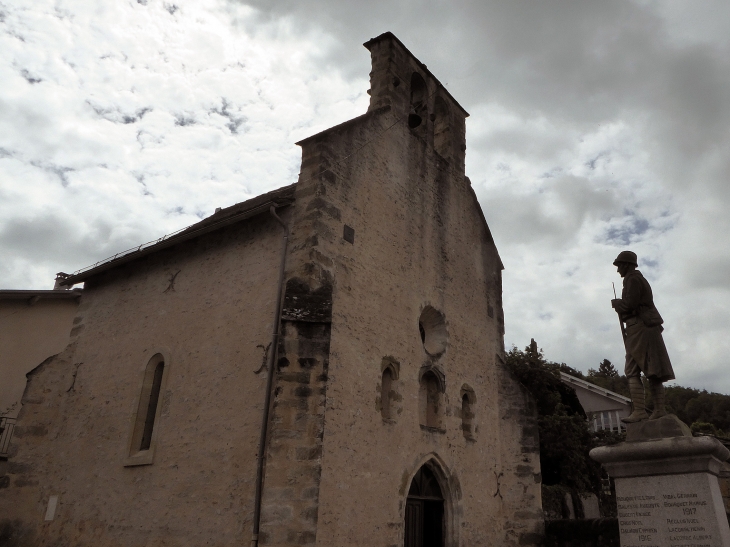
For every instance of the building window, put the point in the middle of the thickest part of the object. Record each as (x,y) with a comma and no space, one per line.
(152,399)
(430,396)
(419,93)
(432,328)
(390,369)
(442,141)
(146,416)
(468,402)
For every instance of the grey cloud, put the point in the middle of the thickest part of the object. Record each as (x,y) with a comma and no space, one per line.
(116,115)
(595,126)
(554,213)
(29,77)
(54,239)
(58,170)
(182,120)
(234,120)
(627,232)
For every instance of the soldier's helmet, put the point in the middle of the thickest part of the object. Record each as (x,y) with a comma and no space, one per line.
(626,256)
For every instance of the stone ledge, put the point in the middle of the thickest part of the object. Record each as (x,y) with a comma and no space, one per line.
(666,426)
(669,456)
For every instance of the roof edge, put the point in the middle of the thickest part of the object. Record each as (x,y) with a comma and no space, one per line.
(345,124)
(258,205)
(570,379)
(41,294)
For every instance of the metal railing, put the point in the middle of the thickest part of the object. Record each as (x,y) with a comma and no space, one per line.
(131,250)
(190,229)
(7,425)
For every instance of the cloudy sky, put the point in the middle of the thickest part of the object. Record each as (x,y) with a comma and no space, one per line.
(595,127)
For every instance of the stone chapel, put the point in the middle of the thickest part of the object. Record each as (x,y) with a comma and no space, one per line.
(320,365)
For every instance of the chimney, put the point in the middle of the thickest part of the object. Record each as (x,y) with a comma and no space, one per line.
(60,278)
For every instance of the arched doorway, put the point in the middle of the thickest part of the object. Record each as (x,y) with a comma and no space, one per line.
(424,526)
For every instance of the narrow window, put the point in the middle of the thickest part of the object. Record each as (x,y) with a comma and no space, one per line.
(468,399)
(149,421)
(442,129)
(418,100)
(142,439)
(388,396)
(430,399)
(385,387)
(466,416)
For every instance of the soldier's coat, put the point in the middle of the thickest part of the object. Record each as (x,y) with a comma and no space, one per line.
(644,342)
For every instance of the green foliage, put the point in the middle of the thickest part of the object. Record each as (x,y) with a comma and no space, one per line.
(565,439)
(709,413)
(608,378)
(706,429)
(699,406)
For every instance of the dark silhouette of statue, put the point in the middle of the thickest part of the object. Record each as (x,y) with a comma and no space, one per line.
(642,333)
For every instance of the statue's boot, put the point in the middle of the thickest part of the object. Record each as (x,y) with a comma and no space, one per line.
(637,398)
(657,394)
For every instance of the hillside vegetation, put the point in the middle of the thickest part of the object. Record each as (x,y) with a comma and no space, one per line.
(705,412)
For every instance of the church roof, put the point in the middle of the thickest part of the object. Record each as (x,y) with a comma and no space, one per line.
(221,218)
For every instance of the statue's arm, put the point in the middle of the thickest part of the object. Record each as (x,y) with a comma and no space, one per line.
(630,299)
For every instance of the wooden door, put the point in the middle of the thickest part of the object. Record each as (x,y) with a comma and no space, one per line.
(414,523)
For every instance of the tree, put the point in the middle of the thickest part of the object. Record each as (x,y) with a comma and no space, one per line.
(608,378)
(605,370)
(565,439)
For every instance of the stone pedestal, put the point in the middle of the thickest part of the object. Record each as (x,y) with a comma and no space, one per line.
(666,487)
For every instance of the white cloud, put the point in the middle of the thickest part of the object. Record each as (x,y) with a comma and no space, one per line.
(595,126)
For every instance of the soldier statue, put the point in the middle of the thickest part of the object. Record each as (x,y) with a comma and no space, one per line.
(642,333)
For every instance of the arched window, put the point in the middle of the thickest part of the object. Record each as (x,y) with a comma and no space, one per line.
(442,129)
(389,369)
(468,400)
(141,442)
(431,391)
(419,92)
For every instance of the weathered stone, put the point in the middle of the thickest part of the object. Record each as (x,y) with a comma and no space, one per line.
(661,428)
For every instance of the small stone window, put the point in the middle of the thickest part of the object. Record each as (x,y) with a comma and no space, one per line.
(442,140)
(468,401)
(388,396)
(432,328)
(146,416)
(419,92)
(430,396)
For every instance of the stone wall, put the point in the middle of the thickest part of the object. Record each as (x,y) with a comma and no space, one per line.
(208,305)
(29,334)
(397,228)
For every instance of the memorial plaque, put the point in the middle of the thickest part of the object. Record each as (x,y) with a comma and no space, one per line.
(682,510)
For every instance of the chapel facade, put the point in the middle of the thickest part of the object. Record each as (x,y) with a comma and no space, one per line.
(351,324)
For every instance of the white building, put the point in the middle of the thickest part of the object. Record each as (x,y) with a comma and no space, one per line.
(603,407)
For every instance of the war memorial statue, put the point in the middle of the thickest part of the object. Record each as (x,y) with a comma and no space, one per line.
(641,327)
(666,479)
